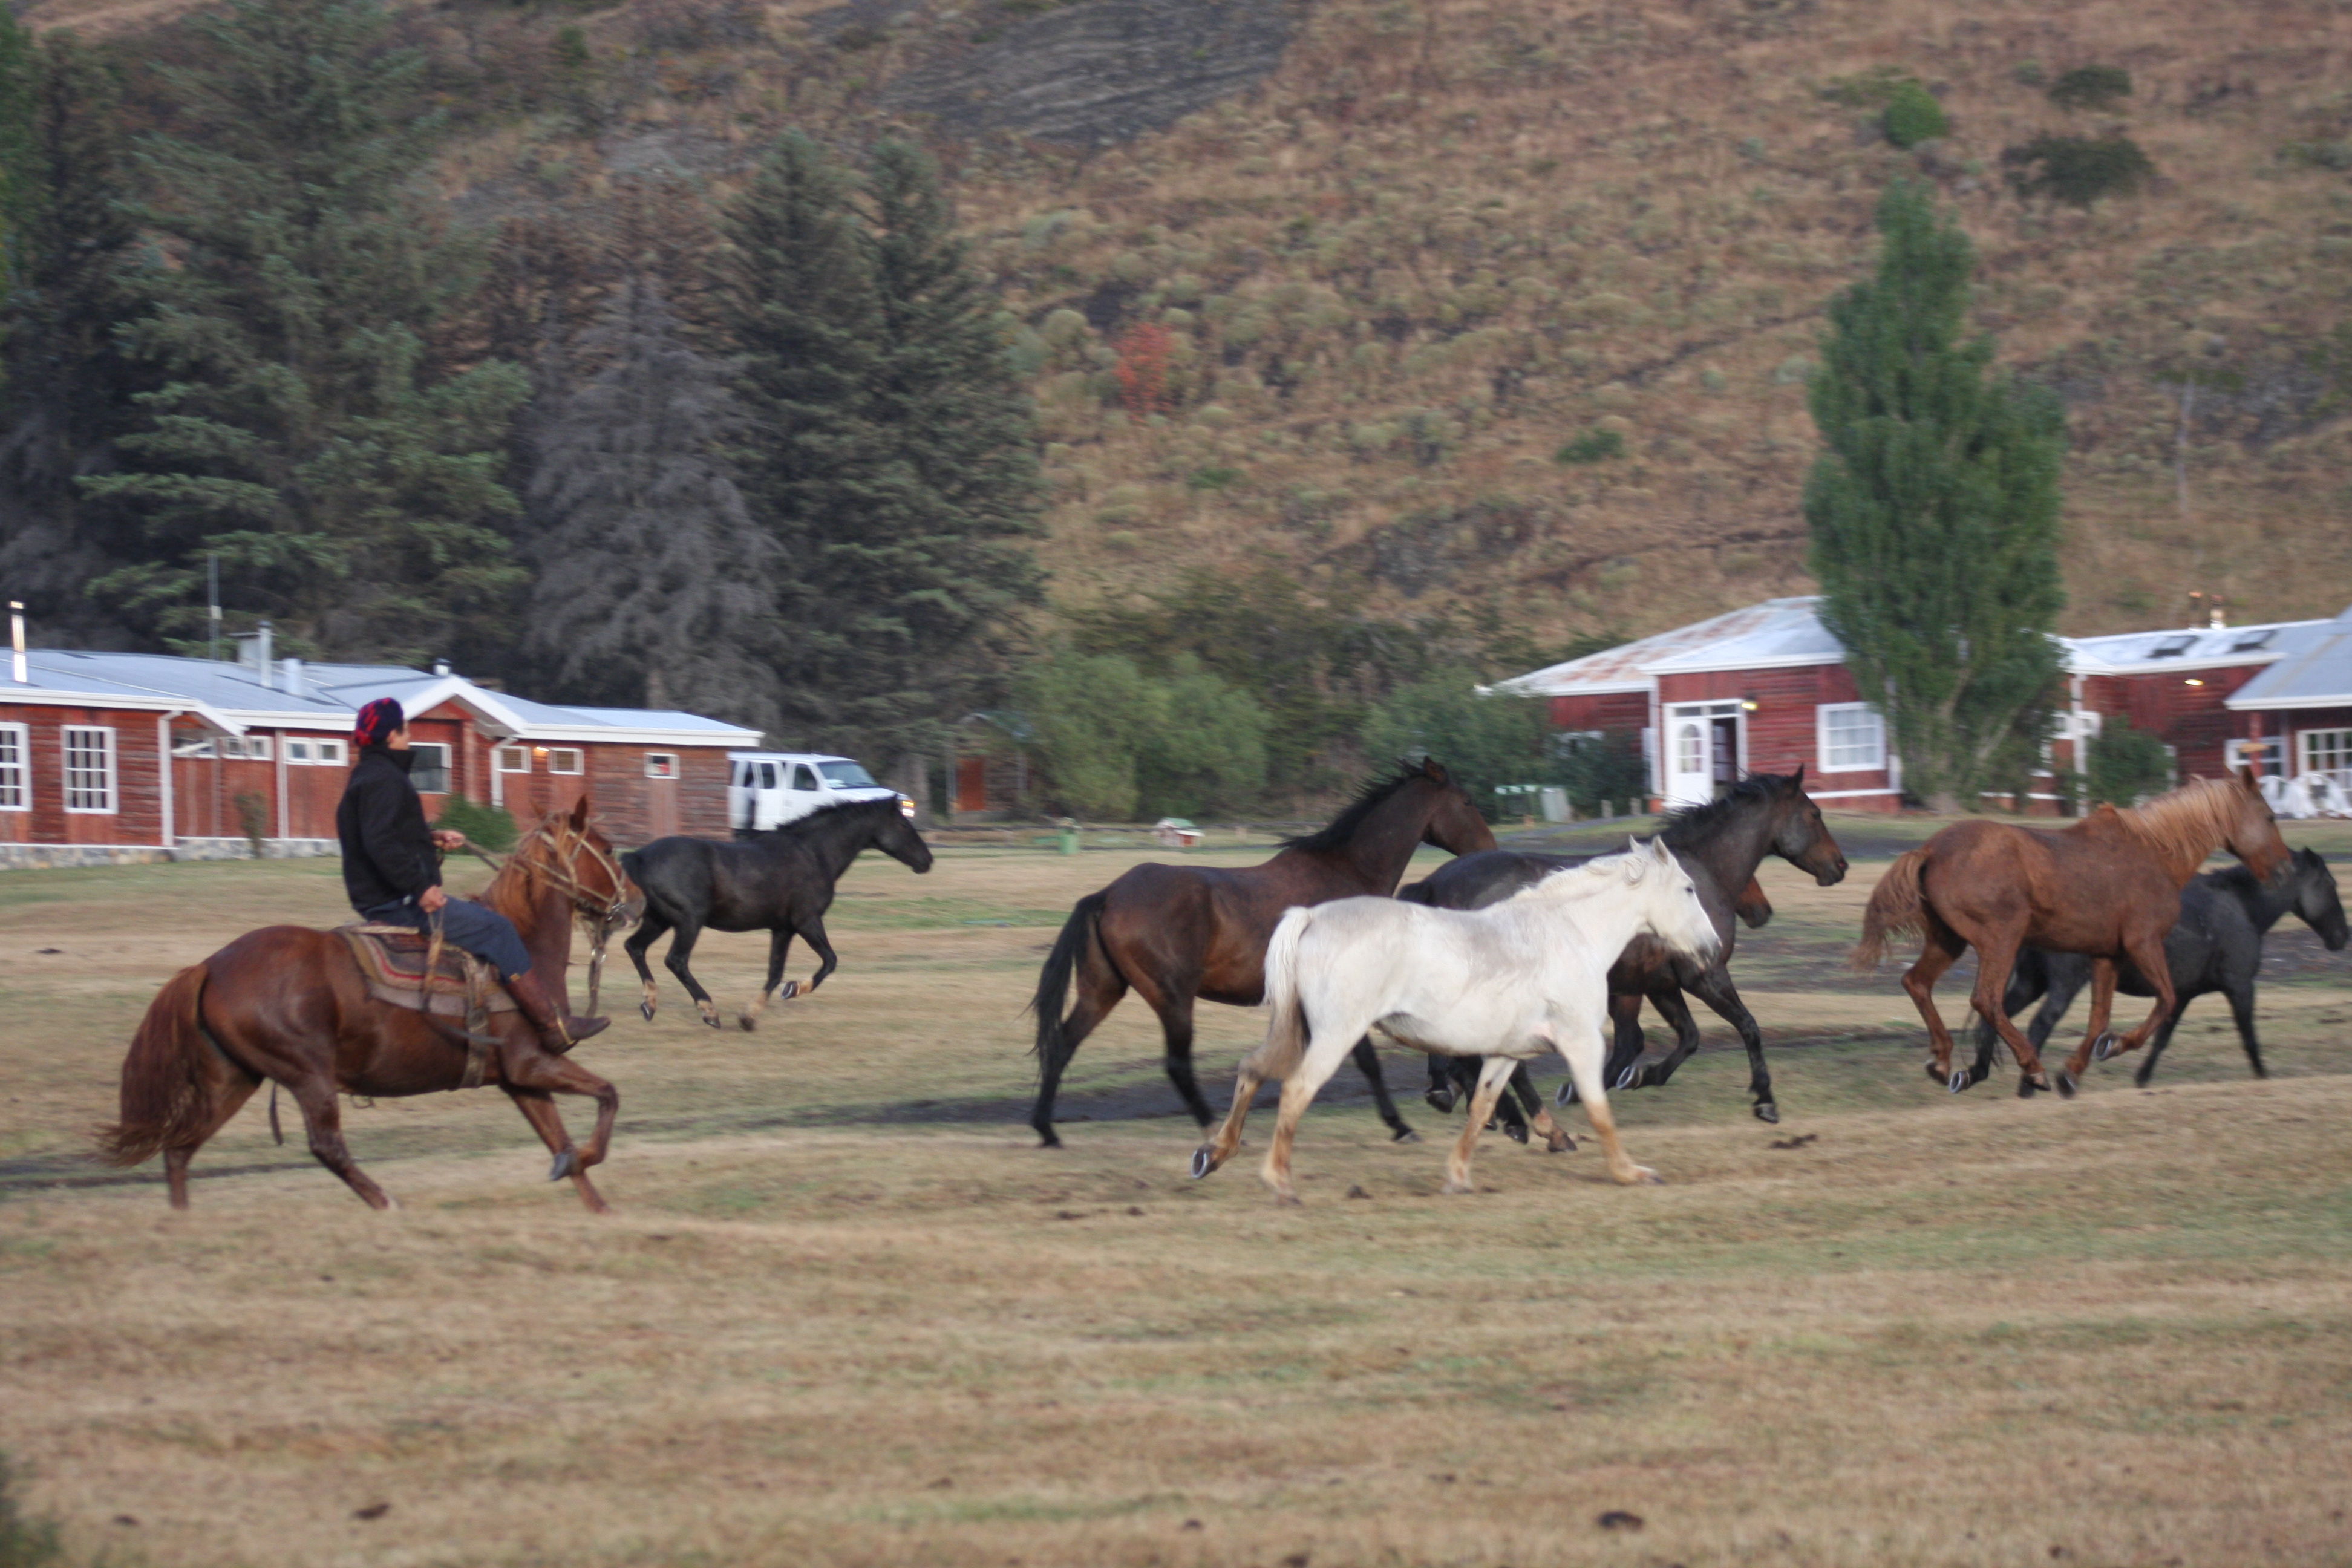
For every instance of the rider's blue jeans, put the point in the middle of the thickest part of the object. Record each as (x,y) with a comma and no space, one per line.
(477,929)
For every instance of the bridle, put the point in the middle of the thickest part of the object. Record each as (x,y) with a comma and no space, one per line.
(598,916)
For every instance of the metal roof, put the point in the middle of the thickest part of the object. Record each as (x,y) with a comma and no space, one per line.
(301,695)
(1777,631)
(2184,647)
(2317,674)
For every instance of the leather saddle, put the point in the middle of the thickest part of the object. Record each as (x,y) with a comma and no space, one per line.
(393,958)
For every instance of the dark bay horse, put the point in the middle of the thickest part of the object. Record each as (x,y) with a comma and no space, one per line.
(1720,842)
(2215,945)
(2108,888)
(1175,933)
(289,1004)
(780,881)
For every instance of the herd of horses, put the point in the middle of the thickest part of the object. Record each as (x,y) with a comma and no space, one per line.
(1496,958)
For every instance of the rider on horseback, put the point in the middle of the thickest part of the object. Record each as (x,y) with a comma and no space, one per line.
(392,873)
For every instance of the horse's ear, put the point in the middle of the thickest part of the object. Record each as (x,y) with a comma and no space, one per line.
(1435,771)
(2246,777)
(580,815)
(1797,780)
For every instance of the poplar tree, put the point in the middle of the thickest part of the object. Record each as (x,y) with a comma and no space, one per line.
(301,431)
(1934,512)
(652,580)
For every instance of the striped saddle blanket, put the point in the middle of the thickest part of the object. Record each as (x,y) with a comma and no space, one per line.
(392,960)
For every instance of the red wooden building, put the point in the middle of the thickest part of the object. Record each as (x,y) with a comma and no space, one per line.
(1765,687)
(110,757)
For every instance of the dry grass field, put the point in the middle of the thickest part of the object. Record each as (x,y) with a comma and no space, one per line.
(847,1313)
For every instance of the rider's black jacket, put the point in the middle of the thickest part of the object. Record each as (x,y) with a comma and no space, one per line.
(387,849)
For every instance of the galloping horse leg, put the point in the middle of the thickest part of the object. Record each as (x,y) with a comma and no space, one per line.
(539,1109)
(1713,986)
(1583,1053)
(1626,1041)
(681,948)
(1367,1062)
(1441,1092)
(1228,1138)
(536,1071)
(231,1089)
(2145,948)
(2096,1039)
(1492,1077)
(811,931)
(780,941)
(1099,985)
(1996,956)
(1667,996)
(1939,949)
(1175,1009)
(2164,1036)
(323,1120)
(1555,1136)
(2023,983)
(649,927)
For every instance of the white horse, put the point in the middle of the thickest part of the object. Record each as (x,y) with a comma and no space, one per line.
(1506,983)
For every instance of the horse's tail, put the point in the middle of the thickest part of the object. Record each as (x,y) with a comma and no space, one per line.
(1054,980)
(1896,909)
(165,1098)
(1285,1032)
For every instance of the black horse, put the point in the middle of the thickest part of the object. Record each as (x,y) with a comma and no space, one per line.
(2215,945)
(780,881)
(1720,844)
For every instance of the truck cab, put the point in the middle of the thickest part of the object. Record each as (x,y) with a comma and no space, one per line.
(768,789)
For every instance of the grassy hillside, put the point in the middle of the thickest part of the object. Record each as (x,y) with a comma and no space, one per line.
(1446,238)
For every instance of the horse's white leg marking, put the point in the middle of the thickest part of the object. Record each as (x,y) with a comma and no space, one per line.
(1492,1076)
(1220,1149)
(1583,1050)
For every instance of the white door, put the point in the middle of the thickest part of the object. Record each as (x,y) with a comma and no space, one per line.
(1702,749)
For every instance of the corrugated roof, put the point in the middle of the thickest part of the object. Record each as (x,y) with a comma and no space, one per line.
(2318,674)
(1783,630)
(2186,646)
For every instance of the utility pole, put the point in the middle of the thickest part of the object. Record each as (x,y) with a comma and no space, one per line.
(212,600)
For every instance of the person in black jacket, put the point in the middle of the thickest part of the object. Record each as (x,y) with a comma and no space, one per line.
(392,871)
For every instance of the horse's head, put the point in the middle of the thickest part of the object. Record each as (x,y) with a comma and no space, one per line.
(570,854)
(897,838)
(1671,908)
(2251,831)
(1803,839)
(2315,897)
(1453,822)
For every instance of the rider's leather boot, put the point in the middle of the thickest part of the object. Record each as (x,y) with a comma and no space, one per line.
(558,1030)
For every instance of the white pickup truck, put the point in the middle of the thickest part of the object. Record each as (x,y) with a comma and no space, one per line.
(768,789)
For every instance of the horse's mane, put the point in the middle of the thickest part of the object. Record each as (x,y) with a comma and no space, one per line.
(1341,829)
(2190,822)
(515,892)
(1685,823)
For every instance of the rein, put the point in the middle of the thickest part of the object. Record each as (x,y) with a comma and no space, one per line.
(599,917)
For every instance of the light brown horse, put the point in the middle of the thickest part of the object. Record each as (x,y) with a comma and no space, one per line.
(289,1004)
(2108,886)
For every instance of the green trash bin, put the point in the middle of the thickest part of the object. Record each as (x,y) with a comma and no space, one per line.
(1070,840)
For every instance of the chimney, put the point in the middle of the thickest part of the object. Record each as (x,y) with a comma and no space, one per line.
(17,642)
(253,653)
(440,667)
(291,668)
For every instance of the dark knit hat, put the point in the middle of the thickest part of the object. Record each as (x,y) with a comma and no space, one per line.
(377,720)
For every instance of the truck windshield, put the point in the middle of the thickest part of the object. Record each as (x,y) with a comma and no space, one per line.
(845,775)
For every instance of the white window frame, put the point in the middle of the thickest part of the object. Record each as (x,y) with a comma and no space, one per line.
(109,795)
(2339,745)
(661,765)
(16,767)
(503,759)
(448,763)
(2268,750)
(308,752)
(1823,755)
(556,755)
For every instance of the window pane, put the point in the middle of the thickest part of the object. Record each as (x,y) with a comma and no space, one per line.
(15,794)
(563,762)
(430,772)
(767,775)
(661,765)
(849,776)
(89,770)
(2328,752)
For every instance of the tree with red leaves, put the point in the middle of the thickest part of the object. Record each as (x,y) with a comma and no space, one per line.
(1143,355)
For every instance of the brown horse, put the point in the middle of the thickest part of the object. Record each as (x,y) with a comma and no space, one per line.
(289,1004)
(2108,886)
(1178,932)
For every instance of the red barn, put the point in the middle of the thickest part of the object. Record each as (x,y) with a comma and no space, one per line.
(112,756)
(2296,714)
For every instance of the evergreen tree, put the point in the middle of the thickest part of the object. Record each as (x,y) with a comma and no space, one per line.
(350,487)
(652,574)
(891,453)
(1933,511)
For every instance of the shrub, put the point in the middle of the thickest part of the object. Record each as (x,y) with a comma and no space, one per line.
(2091,87)
(1604,766)
(252,819)
(2076,169)
(1914,116)
(1484,740)
(1597,444)
(489,827)
(2125,765)
(1117,741)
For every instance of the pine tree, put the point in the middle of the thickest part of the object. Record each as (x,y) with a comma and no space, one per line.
(351,488)
(1934,512)
(652,580)
(890,452)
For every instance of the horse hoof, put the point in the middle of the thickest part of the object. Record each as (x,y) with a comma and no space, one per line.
(1205,1160)
(1646,1177)
(1629,1078)
(647,1009)
(791,989)
(710,1020)
(1287,1201)
(1405,1135)
(1935,1074)
(2066,1084)
(1453,1189)
(1048,1138)
(567,1163)
(1560,1142)
(1516,1132)
(1767,1111)
(1566,1095)
(749,1023)
(1440,1100)
(2104,1047)
(1959,1080)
